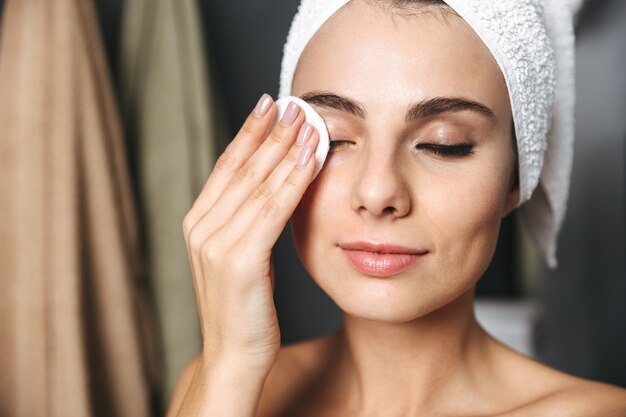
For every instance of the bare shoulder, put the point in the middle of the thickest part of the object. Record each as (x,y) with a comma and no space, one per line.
(588,399)
(553,392)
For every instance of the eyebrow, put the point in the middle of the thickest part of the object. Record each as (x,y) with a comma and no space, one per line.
(419,110)
(334,101)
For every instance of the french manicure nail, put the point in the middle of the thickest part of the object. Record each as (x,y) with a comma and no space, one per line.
(263,105)
(290,114)
(305,156)
(305,134)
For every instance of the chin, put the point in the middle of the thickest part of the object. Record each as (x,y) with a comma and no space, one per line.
(382,312)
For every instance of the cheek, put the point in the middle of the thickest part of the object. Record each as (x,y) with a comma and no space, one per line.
(314,216)
(463,214)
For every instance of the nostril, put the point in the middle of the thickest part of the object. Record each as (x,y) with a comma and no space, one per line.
(386,195)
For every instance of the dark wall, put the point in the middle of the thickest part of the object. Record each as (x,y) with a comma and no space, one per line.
(583,330)
(247,38)
(110,14)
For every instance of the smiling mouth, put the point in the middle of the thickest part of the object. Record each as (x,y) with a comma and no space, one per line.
(380,260)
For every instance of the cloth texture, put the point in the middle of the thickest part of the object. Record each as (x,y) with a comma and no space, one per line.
(75,328)
(174,129)
(533,43)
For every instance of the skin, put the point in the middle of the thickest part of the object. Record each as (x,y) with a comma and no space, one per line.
(410,344)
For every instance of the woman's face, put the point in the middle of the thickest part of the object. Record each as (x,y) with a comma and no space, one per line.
(423,161)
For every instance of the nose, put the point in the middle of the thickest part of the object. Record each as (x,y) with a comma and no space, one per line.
(380,189)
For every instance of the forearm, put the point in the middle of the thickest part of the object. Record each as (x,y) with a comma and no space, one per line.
(223,389)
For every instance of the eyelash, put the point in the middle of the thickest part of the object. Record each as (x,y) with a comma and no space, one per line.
(449,151)
(337,143)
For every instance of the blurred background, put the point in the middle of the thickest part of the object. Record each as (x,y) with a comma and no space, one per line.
(111,115)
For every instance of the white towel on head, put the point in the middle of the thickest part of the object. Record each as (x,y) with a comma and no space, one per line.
(533,43)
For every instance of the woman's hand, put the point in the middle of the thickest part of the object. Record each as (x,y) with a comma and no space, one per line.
(254,188)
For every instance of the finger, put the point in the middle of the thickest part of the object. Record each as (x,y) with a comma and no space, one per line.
(244,217)
(254,172)
(275,213)
(251,135)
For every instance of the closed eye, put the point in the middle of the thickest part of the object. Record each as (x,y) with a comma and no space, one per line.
(460,150)
(451,151)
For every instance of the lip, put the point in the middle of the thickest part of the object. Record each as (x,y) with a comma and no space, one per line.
(380,259)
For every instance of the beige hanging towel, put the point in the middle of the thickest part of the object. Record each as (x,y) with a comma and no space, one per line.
(72,317)
(174,128)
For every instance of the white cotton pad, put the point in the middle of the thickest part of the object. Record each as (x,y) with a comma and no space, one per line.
(313,118)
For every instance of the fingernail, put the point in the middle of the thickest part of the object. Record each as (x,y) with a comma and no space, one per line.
(305,134)
(305,156)
(263,105)
(290,114)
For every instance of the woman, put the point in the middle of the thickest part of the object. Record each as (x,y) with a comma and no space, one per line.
(397,228)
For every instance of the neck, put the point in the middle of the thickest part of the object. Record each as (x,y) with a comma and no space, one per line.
(410,366)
